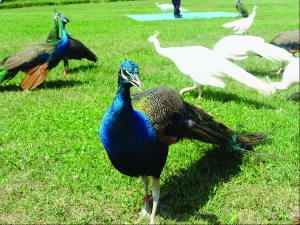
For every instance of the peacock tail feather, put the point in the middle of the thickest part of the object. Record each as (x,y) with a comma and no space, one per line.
(200,125)
(3,73)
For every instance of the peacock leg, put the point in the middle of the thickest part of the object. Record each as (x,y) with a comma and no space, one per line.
(155,195)
(200,91)
(146,209)
(280,69)
(242,64)
(66,66)
(187,89)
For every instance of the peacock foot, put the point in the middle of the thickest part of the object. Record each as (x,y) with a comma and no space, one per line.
(143,214)
(279,71)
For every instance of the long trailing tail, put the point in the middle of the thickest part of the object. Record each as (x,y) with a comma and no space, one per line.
(200,125)
(248,80)
(272,52)
(6,75)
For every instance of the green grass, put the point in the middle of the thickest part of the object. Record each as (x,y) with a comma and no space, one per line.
(54,168)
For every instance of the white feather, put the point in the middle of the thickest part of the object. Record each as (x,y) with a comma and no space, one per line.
(241,25)
(166,7)
(290,76)
(239,47)
(205,67)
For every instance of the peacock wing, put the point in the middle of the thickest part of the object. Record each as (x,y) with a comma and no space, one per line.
(77,50)
(164,108)
(27,55)
(35,76)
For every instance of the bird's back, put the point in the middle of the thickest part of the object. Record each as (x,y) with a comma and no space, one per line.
(290,40)
(164,108)
(165,7)
(235,47)
(27,55)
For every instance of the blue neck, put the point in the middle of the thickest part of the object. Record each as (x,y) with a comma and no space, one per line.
(61,49)
(123,128)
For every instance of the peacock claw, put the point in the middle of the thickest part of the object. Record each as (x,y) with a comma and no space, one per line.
(143,214)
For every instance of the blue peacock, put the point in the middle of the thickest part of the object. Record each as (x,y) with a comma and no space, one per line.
(77,50)
(36,60)
(137,130)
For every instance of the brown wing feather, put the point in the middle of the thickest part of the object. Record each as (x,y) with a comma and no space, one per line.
(35,76)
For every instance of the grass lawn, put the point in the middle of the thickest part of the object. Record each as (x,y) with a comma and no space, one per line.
(54,168)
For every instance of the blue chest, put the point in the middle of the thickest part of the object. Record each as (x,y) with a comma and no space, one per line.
(126,131)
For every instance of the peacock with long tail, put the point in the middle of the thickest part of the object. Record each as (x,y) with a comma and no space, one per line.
(36,60)
(77,50)
(137,130)
(205,67)
(241,9)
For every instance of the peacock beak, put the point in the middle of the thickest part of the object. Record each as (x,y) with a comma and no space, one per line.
(135,81)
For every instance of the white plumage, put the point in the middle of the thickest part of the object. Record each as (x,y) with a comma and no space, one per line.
(239,47)
(205,67)
(290,76)
(166,7)
(241,25)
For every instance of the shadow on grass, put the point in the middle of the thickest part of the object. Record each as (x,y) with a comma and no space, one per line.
(224,97)
(50,85)
(184,194)
(81,68)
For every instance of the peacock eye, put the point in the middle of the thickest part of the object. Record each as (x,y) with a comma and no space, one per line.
(125,72)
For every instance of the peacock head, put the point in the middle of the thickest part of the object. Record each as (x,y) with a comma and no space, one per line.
(57,15)
(129,74)
(65,20)
(153,38)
